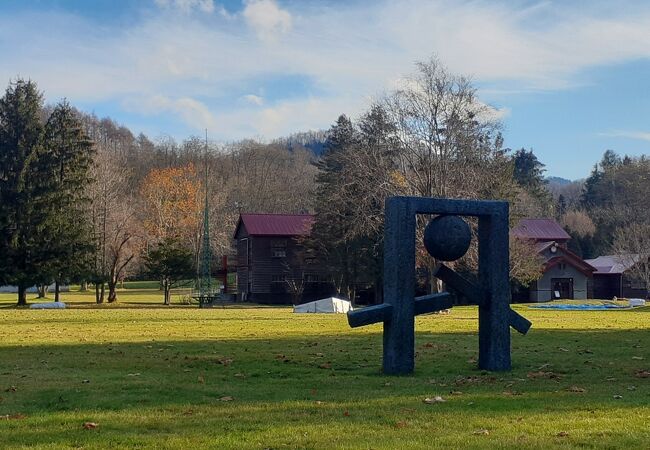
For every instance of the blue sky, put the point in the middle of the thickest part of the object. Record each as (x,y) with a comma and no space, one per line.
(569,79)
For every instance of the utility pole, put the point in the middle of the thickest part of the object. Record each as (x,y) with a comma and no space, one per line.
(204,285)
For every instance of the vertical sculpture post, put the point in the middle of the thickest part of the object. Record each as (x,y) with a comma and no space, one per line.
(399,287)
(494,279)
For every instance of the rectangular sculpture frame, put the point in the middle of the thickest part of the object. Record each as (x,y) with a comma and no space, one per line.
(400,305)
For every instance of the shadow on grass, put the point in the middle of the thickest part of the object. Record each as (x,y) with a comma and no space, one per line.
(162,373)
(141,392)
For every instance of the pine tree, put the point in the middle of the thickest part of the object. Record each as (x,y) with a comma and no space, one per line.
(357,173)
(24,190)
(529,174)
(69,155)
(331,234)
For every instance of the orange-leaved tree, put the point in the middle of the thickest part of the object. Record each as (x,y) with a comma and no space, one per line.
(173,205)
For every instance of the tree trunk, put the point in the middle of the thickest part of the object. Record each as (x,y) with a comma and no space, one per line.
(56,290)
(103,289)
(434,284)
(83,287)
(167,291)
(98,299)
(22,295)
(351,294)
(112,291)
(42,290)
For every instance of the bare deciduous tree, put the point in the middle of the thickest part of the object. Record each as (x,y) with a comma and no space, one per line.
(632,245)
(579,223)
(108,193)
(526,265)
(449,142)
(124,244)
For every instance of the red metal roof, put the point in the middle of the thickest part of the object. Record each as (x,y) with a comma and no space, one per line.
(540,230)
(613,264)
(276,224)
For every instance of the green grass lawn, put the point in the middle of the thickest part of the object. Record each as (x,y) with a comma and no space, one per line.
(130,294)
(265,378)
(133,294)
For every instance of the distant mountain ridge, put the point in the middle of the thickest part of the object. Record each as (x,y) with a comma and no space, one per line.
(312,140)
(558,181)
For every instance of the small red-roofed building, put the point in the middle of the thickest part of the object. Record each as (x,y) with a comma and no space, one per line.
(614,277)
(566,275)
(272,264)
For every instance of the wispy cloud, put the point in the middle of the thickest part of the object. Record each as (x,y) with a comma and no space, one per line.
(191,111)
(628,134)
(187,6)
(204,65)
(253,99)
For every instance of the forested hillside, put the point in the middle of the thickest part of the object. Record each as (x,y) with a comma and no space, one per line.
(86,199)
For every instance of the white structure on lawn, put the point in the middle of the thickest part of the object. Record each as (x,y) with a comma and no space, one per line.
(326,305)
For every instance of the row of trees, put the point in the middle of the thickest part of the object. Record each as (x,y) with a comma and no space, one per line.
(45,159)
(83,199)
(434,138)
(431,138)
(136,198)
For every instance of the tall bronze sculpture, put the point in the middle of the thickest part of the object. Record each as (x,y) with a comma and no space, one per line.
(447,237)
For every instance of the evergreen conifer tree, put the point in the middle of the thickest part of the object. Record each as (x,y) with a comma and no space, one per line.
(24,190)
(69,155)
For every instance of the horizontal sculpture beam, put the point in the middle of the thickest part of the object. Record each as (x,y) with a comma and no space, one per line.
(468,289)
(381,313)
(477,296)
(518,322)
(369,315)
(432,303)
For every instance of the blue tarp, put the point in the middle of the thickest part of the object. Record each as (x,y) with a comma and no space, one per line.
(583,307)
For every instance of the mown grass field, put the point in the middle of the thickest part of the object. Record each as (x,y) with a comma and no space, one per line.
(132,294)
(182,377)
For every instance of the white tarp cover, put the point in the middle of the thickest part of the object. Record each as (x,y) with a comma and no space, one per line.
(637,302)
(51,305)
(326,305)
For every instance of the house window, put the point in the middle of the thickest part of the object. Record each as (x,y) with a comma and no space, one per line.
(279,248)
(311,278)
(278,284)
(245,250)
(562,266)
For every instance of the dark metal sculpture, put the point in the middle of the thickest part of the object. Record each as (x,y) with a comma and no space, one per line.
(446,238)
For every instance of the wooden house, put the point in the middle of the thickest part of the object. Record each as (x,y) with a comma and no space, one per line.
(566,275)
(613,277)
(272,264)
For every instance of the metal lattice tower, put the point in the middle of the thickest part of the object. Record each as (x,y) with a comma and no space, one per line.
(204,282)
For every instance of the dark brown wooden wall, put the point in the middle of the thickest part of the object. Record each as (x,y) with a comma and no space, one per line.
(263,266)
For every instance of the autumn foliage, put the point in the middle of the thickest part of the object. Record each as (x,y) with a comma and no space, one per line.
(172,203)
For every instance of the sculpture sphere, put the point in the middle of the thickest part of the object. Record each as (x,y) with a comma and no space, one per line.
(447,238)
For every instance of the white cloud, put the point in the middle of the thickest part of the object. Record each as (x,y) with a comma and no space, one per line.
(253,99)
(348,51)
(187,6)
(267,19)
(193,113)
(638,135)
